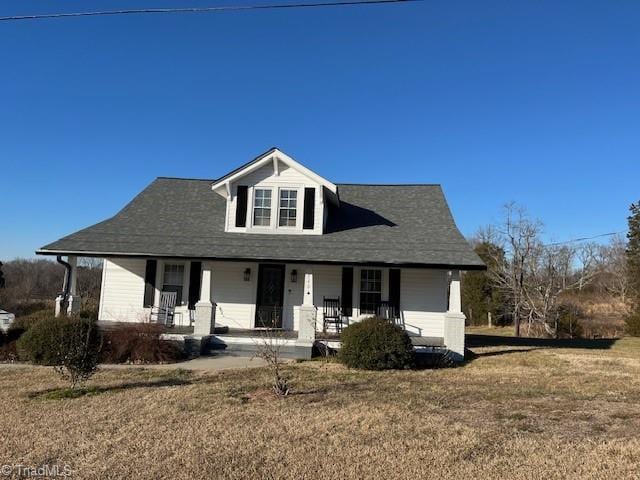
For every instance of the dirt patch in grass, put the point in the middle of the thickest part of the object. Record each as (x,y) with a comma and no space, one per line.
(519,413)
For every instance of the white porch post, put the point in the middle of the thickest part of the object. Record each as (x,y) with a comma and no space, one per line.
(74,298)
(205,315)
(455,303)
(70,280)
(454,319)
(307,328)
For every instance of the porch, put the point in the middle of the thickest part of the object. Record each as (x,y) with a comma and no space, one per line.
(233,301)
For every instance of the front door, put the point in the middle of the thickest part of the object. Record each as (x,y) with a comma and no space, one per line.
(270,297)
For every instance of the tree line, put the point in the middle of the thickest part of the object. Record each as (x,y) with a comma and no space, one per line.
(541,289)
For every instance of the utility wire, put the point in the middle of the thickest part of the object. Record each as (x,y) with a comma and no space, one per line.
(228,8)
(575,240)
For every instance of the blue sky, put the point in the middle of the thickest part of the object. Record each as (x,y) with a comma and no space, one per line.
(536,102)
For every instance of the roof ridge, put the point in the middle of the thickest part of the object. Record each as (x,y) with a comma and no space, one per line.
(186,178)
(393,184)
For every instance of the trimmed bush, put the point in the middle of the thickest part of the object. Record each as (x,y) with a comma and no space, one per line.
(70,344)
(376,344)
(139,343)
(22,324)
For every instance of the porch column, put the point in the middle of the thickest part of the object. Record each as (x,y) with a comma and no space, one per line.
(70,280)
(454,319)
(74,298)
(455,304)
(205,310)
(307,328)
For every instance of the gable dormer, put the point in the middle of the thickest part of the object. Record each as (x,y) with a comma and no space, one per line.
(275,194)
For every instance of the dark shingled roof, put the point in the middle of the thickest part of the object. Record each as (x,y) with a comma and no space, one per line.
(375,224)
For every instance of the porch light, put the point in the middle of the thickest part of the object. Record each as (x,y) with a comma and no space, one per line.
(247,274)
(294,276)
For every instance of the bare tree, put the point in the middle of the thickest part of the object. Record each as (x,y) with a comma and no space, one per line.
(269,348)
(614,268)
(533,276)
(518,237)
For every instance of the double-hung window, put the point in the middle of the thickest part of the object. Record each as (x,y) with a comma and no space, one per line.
(370,290)
(288,208)
(173,280)
(262,207)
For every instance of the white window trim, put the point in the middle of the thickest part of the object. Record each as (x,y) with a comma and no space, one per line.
(382,286)
(297,226)
(185,281)
(253,206)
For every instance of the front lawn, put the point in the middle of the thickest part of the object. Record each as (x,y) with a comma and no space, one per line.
(512,412)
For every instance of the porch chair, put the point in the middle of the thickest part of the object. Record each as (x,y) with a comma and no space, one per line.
(389,311)
(166,312)
(332,314)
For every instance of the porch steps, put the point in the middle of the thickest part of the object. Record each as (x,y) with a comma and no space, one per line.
(288,348)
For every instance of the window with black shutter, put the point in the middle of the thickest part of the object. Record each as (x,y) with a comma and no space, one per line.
(194,284)
(241,206)
(308,221)
(347,291)
(150,283)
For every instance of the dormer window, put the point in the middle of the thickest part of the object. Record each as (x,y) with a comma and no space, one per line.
(288,208)
(262,207)
(274,194)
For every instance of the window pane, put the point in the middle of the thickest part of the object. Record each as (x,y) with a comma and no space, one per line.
(262,207)
(173,280)
(288,206)
(370,290)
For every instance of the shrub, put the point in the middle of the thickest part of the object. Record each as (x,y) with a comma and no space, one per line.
(38,343)
(70,344)
(8,352)
(632,327)
(139,343)
(376,344)
(22,324)
(78,349)
(88,313)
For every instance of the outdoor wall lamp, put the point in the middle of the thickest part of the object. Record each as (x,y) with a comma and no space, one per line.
(294,276)
(247,274)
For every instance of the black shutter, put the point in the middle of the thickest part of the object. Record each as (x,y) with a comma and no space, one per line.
(308,220)
(347,291)
(241,206)
(394,288)
(150,283)
(194,284)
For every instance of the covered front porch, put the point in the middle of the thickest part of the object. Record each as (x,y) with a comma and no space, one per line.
(304,302)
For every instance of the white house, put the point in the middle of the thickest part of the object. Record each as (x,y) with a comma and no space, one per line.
(6,319)
(272,244)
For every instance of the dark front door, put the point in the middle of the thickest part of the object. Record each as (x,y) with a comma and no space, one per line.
(270,296)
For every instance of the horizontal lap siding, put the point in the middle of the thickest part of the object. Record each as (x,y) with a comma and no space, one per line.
(122,291)
(423,300)
(327,282)
(234,297)
(288,177)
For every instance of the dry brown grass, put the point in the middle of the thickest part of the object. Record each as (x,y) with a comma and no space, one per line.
(541,413)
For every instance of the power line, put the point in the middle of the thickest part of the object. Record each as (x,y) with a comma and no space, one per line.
(228,8)
(575,240)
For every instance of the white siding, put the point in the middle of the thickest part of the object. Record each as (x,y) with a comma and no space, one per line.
(423,294)
(234,297)
(423,301)
(122,290)
(327,282)
(288,178)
